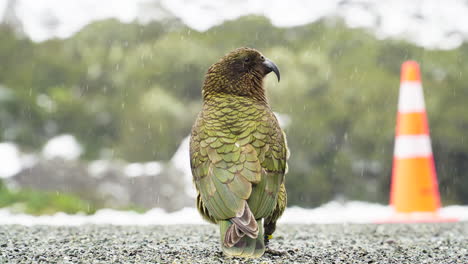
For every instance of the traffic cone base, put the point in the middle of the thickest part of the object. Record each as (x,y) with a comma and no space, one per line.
(415,189)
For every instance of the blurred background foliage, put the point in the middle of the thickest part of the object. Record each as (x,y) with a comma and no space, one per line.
(132,91)
(39,202)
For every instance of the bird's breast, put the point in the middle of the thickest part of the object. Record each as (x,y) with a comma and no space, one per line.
(234,115)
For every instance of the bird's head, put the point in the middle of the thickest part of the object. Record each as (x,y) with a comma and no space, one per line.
(239,72)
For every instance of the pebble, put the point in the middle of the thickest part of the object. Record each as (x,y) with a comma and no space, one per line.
(334,243)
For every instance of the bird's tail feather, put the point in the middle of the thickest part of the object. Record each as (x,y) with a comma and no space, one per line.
(244,224)
(246,246)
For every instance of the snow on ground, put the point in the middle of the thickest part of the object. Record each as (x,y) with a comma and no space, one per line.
(13,161)
(10,158)
(63,146)
(332,212)
(181,161)
(68,148)
(430,23)
(141,169)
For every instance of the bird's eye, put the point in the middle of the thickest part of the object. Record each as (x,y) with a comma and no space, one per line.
(262,58)
(247,59)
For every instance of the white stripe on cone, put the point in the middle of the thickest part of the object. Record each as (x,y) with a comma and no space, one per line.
(411,97)
(412,146)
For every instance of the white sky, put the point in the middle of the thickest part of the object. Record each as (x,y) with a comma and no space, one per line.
(430,23)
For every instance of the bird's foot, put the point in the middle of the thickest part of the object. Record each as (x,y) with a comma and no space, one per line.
(274,252)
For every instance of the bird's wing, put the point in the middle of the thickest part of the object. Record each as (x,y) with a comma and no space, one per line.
(270,142)
(224,167)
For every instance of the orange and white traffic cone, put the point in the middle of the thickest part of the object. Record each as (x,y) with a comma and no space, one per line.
(414,190)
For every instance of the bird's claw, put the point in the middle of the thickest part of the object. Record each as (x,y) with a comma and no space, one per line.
(276,252)
(273,252)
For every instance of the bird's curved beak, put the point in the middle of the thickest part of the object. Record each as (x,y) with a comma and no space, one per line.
(271,67)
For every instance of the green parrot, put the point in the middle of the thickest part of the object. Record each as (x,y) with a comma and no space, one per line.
(238,154)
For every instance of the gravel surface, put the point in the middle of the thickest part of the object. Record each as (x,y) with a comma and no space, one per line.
(349,243)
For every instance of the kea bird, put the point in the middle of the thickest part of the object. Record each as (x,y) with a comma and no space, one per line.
(238,154)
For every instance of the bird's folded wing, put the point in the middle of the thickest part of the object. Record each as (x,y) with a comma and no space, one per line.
(272,158)
(224,170)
